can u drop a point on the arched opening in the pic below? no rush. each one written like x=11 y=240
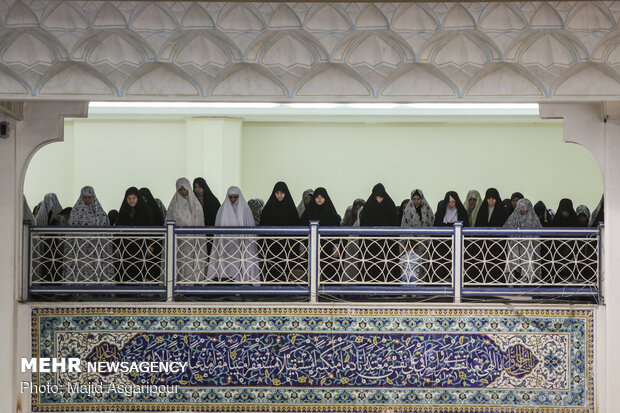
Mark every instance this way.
x=345 y=148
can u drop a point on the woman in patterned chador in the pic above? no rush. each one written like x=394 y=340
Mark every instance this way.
x=185 y=211
x=524 y=254
x=89 y=260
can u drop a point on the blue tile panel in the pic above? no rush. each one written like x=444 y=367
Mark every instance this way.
x=322 y=359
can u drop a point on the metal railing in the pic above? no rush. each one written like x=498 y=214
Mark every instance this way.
x=531 y=262
x=168 y=262
x=81 y=260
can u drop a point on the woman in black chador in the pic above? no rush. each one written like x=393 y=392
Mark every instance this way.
x=136 y=255
x=565 y=216
x=210 y=205
x=208 y=201
x=322 y=209
x=450 y=211
x=543 y=214
x=492 y=212
x=149 y=200
x=155 y=245
x=487 y=258
x=280 y=257
x=514 y=198
x=565 y=251
x=380 y=257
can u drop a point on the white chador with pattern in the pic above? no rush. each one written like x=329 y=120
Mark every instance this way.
x=47 y=251
x=186 y=211
x=89 y=259
x=524 y=255
x=415 y=259
x=234 y=257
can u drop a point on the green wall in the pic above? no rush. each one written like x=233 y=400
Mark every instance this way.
x=348 y=159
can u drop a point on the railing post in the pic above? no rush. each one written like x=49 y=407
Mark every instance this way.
x=457 y=260
x=313 y=260
x=26 y=260
x=171 y=242
x=599 y=241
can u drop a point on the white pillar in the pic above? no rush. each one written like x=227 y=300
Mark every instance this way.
x=214 y=152
x=590 y=125
x=42 y=122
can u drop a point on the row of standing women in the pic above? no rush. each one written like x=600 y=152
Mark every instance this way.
x=238 y=259
x=140 y=208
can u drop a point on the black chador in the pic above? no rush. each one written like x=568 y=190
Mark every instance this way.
x=380 y=256
x=282 y=260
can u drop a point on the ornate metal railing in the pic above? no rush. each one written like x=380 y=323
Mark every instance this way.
x=386 y=261
x=96 y=260
x=237 y=260
x=531 y=262
x=168 y=262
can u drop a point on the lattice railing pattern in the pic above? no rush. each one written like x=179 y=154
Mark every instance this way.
x=97 y=258
x=384 y=260
x=241 y=259
x=533 y=261
x=446 y=261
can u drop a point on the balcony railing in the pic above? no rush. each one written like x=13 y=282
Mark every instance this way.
x=171 y=262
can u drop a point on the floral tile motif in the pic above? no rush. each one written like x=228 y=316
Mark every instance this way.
x=319 y=359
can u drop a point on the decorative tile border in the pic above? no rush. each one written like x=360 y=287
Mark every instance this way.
x=319 y=359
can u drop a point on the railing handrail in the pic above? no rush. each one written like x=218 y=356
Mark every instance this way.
x=306 y=243
x=305 y=230
x=549 y=231
x=431 y=231
x=95 y=230
x=243 y=230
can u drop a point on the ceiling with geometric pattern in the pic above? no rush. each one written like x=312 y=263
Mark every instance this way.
x=296 y=52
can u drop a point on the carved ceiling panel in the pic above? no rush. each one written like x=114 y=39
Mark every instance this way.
x=309 y=51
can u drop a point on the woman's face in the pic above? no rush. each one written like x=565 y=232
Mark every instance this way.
x=233 y=198
x=132 y=200
x=198 y=189
x=280 y=195
x=183 y=192
x=472 y=201
x=491 y=201
x=417 y=201
x=451 y=203
x=319 y=200
x=307 y=199
x=583 y=219
x=523 y=212
x=88 y=199
x=379 y=198
x=514 y=201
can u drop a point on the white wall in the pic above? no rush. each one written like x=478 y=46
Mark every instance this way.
x=348 y=159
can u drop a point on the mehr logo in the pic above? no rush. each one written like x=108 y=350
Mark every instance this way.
x=51 y=365
x=72 y=365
